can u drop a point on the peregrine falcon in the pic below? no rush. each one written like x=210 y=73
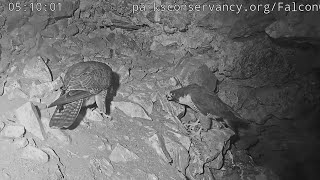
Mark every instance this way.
x=208 y=104
x=83 y=82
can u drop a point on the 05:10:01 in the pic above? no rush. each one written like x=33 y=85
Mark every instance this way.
x=34 y=6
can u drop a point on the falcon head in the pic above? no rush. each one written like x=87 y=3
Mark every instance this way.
x=175 y=95
x=182 y=95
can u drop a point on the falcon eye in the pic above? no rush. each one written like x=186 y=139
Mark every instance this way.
x=170 y=96
x=173 y=95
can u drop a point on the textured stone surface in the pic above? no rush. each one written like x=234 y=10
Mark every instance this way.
x=178 y=153
x=12 y=131
x=41 y=90
x=3 y=80
x=131 y=109
x=264 y=65
x=102 y=166
x=21 y=142
x=253 y=25
x=28 y=116
x=298 y=27
x=36 y=69
x=121 y=154
x=56 y=134
x=34 y=154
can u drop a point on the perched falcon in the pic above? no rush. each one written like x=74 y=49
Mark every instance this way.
x=83 y=82
x=208 y=104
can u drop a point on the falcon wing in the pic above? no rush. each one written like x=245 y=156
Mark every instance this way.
x=65 y=116
x=90 y=77
x=69 y=97
x=208 y=103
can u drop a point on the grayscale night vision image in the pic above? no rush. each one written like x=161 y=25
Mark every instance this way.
x=159 y=90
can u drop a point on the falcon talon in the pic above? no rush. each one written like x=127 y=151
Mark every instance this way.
x=81 y=83
x=105 y=115
x=193 y=124
x=102 y=114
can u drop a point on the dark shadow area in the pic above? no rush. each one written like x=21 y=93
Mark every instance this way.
x=112 y=92
x=301 y=43
x=290 y=147
x=38 y=111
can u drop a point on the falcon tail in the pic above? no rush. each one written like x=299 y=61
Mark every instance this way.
x=69 y=97
x=65 y=115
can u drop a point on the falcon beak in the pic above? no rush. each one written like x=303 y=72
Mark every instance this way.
x=169 y=96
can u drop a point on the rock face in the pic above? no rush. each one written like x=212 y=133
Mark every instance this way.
x=13 y=131
x=131 y=109
x=297 y=27
x=2 y=82
x=28 y=116
x=264 y=64
x=34 y=154
x=121 y=154
x=37 y=69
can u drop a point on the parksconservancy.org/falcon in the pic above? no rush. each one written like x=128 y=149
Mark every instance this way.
x=237 y=8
